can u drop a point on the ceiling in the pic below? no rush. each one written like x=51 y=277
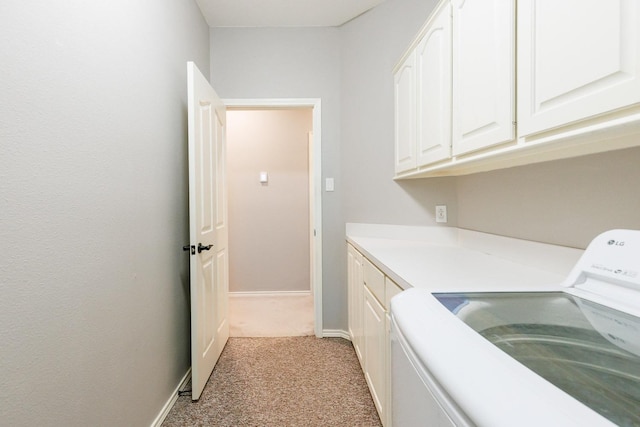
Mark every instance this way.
x=282 y=13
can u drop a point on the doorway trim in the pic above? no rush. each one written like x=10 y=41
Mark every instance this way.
x=315 y=197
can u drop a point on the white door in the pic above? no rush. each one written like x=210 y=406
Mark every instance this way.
x=374 y=349
x=483 y=74
x=405 y=115
x=433 y=80
x=207 y=228
x=576 y=59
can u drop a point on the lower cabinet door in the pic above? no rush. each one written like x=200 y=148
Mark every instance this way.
x=375 y=350
x=355 y=292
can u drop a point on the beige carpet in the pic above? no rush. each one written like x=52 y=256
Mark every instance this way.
x=283 y=382
x=270 y=315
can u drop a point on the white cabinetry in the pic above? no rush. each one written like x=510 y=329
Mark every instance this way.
x=577 y=90
x=374 y=335
x=391 y=289
x=423 y=96
x=374 y=279
x=355 y=294
x=433 y=81
x=375 y=359
x=369 y=294
x=405 y=114
x=483 y=74
x=576 y=59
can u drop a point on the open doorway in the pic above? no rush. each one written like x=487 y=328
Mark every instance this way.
x=273 y=167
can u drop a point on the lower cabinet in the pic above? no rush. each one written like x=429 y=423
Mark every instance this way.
x=355 y=299
x=369 y=294
x=375 y=359
x=390 y=290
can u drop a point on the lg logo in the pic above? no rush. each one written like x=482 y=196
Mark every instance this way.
x=615 y=243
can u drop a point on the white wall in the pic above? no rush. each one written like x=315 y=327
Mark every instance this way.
x=371 y=46
x=268 y=223
x=295 y=63
x=94 y=311
x=564 y=202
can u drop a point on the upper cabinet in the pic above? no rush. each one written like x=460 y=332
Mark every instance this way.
x=577 y=59
x=423 y=96
x=433 y=80
x=571 y=67
x=405 y=114
x=483 y=74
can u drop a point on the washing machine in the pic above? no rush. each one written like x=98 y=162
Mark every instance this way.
x=568 y=356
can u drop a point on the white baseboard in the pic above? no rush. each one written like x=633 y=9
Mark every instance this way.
x=172 y=400
x=270 y=294
x=335 y=333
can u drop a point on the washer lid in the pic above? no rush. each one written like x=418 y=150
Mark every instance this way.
x=588 y=350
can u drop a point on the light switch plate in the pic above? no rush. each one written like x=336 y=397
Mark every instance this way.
x=329 y=184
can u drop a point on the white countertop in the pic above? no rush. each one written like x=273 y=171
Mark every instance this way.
x=450 y=259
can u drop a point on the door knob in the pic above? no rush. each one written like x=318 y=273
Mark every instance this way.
x=190 y=248
x=203 y=248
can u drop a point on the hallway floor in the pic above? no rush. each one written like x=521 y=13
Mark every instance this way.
x=270 y=315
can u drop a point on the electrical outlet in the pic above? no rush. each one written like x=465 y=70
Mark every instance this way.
x=441 y=213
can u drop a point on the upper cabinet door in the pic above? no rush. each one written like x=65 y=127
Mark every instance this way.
x=433 y=80
x=405 y=115
x=577 y=59
x=483 y=74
